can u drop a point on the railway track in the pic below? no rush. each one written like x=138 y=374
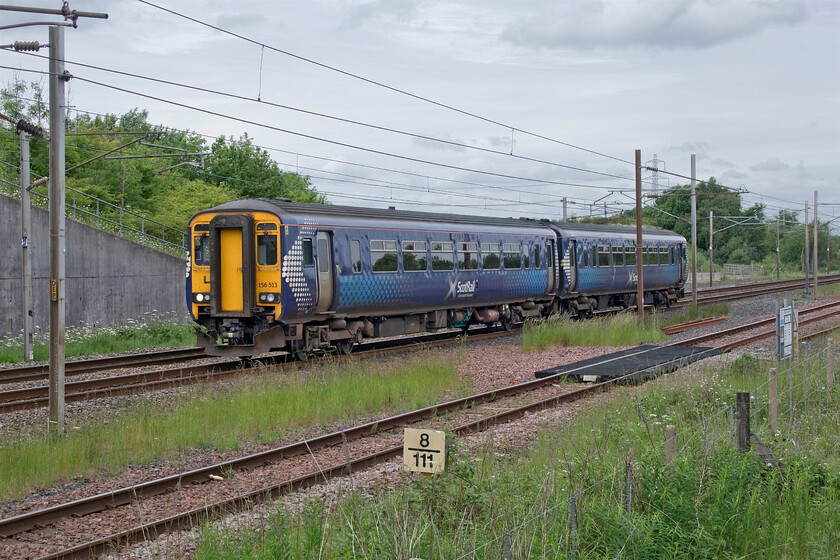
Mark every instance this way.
x=197 y=478
x=40 y=372
x=133 y=383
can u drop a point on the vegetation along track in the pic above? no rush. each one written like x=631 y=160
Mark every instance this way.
x=341 y=463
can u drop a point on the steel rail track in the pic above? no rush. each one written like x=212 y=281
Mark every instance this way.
x=134 y=383
x=21 y=523
x=41 y=371
x=792 y=283
x=688 y=325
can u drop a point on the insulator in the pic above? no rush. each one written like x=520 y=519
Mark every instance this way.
x=30 y=128
x=27 y=46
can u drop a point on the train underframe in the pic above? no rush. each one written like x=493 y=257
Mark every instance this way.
x=249 y=336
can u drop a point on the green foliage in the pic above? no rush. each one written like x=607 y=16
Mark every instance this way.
x=694 y=312
x=166 y=189
x=617 y=330
x=151 y=331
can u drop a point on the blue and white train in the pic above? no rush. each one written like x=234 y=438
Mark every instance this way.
x=267 y=275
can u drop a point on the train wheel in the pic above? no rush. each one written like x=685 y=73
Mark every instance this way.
x=507 y=324
x=302 y=355
x=345 y=347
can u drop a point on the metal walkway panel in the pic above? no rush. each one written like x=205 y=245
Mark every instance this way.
x=644 y=361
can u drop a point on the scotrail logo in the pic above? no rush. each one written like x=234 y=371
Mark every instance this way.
x=461 y=289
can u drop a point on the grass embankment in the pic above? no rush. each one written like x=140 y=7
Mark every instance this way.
x=150 y=332
x=260 y=409
x=616 y=330
x=710 y=502
x=694 y=312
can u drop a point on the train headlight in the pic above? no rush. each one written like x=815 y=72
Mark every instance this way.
x=201 y=297
x=269 y=297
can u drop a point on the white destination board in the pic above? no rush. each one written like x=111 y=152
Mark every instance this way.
x=424 y=450
x=785 y=332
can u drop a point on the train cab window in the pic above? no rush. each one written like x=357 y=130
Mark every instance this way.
x=630 y=255
x=201 y=250
x=356 y=255
x=414 y=256
x=490 y=259
x=442 y=258
x=512 y=255
x=537 y=256
x=603 y=255
x=617 y=255
x=383 y=256
x=526 y=255
x=467 y=256
x=266 y=244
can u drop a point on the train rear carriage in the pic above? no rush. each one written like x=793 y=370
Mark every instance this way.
x=600 y=271
x=272 y=274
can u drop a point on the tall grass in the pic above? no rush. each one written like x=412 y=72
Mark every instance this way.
x=254 y=410
x=694 y=312
x=710 y=502
x=616 y=330
x=150 y=331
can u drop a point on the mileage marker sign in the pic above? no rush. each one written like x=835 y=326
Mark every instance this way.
x=424 y=450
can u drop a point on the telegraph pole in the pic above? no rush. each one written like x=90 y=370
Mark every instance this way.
x=711 y=252
x=778 y=255
x=25 y=228
x=57 y=229
x=640 y=284
x=564 y=208
x=807 y=253
x=693 y=232
x=816 y=242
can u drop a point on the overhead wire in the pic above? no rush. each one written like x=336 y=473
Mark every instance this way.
x=383 y=85
x=340 y=119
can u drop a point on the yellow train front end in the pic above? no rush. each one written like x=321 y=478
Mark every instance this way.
x=233 y=281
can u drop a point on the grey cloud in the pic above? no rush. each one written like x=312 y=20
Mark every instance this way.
x=440 y=145
x=239 y=21
x=691 y=147
x=772 y=164
x=732 y=174
x=722 y=163
x=692 y=24
x=361 y=12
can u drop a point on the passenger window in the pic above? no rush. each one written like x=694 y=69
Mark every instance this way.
x=442 y=258
x=603 y=255
x=356 y=255
x=536 y=256
x=414 y=256
x=526 y=255
x=201 y=250
x=308 y=259
x=267 y=249
x=490 y=256
x=663 y=256
x=512 y=256
x=618 y=255
x=383 y=256
x=467 y=256
x=549 y=255
x=630 y=256
x=584 y=262
x=323 y=256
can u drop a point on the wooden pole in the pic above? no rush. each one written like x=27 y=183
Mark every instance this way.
x=640 y=283
x=742 y=405
x=773 y=401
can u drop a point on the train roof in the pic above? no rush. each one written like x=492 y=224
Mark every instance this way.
x=579 y=227
x=281 y=205
x=286 y=206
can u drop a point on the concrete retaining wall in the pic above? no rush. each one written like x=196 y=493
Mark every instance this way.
x=109 y=279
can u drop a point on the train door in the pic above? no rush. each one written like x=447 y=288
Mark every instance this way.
x=325 y=271
x=550 y=262
x=572 y=270
x=232 y=265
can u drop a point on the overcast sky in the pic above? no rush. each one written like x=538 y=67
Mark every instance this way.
x=752 y=87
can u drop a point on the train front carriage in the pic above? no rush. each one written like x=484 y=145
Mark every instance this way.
x=271 y=274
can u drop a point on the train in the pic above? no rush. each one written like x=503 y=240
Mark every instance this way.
x=268 y=275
